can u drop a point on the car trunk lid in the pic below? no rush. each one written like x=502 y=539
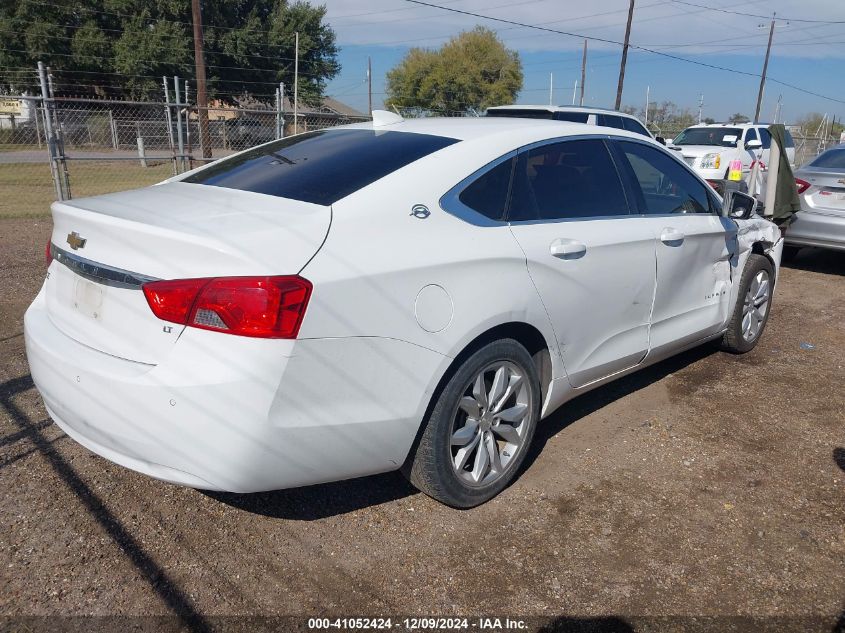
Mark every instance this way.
x=826 y=193
x=105 y=247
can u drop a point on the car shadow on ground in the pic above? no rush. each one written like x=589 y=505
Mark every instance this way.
x=818 y=260
x=322 y=500
x=592 y=401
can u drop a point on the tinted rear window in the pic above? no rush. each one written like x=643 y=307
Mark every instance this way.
x=831 y=158
x=320 y=167
x=528 y=113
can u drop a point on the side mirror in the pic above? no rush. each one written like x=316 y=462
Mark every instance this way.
x=753 y=145
x=660 y=140
x=738 y=205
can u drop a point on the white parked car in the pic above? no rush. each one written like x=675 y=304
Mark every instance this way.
x=399 y=294
x=574 y=114
x=709 y=149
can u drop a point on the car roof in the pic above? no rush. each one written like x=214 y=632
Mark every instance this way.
x=561 y=108
x=741 y=125
x=476 y=128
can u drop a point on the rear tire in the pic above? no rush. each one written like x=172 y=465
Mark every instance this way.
x=480 y=427
x=753 y=306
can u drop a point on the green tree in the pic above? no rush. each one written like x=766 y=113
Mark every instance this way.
x=122 y=48
x=473 y=70
x=738 y=118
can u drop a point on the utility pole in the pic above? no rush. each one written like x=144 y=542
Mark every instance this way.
x=583 y=72
x=700 y=105
x=296 y=87
x=765 y=68
x=624 y=56
x=551 y=88
x=574 y=91
x=199 y=64
x=370 y=82
x=647 y=99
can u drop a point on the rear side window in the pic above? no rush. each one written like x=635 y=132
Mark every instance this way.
x=488 y=194
x=666 y=185
x=571 y=179
x=574 y=117
x=320 y=167
x=610 y=120
x=528 y=113
x=635 y=126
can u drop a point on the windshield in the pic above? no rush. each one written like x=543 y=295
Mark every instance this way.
x=320 y=167
x=832 y=158
x=708 y=136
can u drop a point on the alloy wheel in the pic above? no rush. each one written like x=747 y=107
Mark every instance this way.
x=755 y=306
x=490 y=423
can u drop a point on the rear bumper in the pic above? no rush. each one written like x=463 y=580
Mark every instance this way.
x=229 y=413
x=817 y=229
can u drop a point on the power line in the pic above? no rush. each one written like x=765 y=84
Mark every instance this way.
x=756 y=15
x=609 y=41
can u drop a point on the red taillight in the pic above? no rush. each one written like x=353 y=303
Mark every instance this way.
x=802 y=185
x=48 y=253
x=265 y=307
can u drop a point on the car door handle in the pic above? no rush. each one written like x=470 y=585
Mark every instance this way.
x=568 y=249
x=672 y=237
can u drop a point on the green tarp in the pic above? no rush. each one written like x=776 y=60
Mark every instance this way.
x=786 y=195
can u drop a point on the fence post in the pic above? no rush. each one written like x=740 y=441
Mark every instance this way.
x=113 y=128
x=48 y=126
x=169 y=120
x=179 y=136
x=37 y=125
x=188 y=128
x=282 y=106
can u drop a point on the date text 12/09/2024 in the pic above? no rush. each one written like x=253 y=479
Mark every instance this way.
x=492 y=624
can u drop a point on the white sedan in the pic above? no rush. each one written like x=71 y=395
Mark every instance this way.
x=398 y=294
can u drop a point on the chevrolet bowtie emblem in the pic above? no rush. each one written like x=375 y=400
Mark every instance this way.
x=75 y=241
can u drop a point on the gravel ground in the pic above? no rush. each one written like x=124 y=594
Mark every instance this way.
x=709 y=485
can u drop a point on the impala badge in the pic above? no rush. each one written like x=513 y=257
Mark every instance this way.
x=75 y=241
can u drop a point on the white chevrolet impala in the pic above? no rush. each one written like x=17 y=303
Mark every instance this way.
x=411 y=295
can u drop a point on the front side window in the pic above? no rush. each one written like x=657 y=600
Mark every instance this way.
x=666 y=185
x=320 y=167
x=570 y=179
x=750 y=135
x=488 y=194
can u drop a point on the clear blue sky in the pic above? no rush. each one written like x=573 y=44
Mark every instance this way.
x=810 y=55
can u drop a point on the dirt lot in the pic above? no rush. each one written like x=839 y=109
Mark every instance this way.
x=710 y=485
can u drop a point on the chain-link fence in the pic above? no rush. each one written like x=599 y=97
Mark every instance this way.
x=62 y=148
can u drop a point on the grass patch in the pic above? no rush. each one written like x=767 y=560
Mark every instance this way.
x=27 y=190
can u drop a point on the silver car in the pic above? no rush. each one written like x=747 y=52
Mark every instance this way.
x=821 y=188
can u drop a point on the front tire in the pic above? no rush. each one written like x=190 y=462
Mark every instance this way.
x=751 y=312
x=480 y=427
